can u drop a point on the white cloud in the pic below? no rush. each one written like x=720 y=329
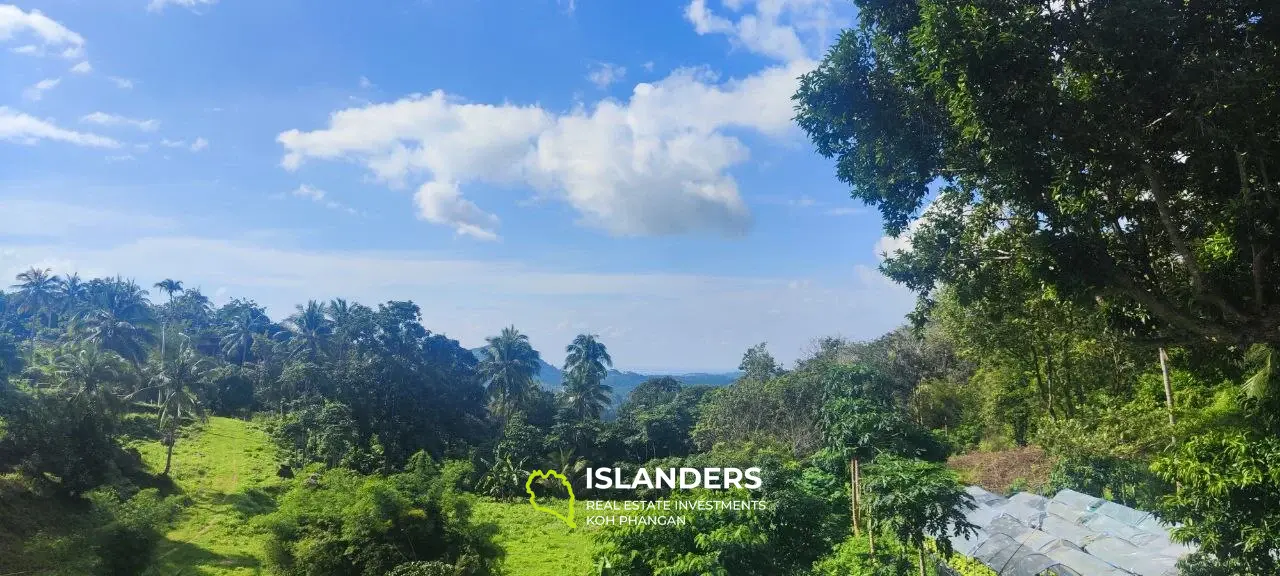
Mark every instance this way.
x=104 y=119
x=318 y=196
x=785 y=30
x=14 y=22
x=306 y=191
x=158 y=5
x=655 y=164
x=82 y=68
x=121 y=83
x=23 y=128
x=648 y=66
x=36 y=91
x=719 y=316
x=440 y=202
x=195 y=146
x=365 y=84
x=603 y=74
x=28 y=49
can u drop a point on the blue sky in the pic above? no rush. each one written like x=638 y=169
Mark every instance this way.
x=622 y=168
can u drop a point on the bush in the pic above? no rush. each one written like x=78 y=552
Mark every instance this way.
x=806 y=516
x=129 y=530
x=423 y=569
x=344 y=524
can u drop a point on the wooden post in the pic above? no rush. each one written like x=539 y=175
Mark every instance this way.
x=1168 y=401
x=1168 y=390
x=871 y=534
x=854 y=494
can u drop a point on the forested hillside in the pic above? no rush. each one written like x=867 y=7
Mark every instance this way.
x=621 y=383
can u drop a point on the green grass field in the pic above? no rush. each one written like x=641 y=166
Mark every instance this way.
x=226 y=469
x=537 y=544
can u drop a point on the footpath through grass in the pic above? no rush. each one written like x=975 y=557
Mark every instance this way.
x=226 y=469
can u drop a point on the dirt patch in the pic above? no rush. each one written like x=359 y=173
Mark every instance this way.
x=1024 y=469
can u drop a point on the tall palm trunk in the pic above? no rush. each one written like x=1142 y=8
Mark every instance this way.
x=170 y=440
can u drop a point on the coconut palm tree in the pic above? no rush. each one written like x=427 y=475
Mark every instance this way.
x=74 y=293
x=177 y=381
x=37 y=293
x=586 y=365
x=238 y=339
x=508 y=368
x=344 y=319
x=310 y=330
x=117 y=318
x=90 y=374
x=169 y=287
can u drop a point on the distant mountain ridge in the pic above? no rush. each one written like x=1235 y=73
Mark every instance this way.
x=623 y=383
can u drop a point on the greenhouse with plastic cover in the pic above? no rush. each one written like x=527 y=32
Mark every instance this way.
x=1070 y=534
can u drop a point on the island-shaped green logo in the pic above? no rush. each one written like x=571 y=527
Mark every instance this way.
x=533 y=499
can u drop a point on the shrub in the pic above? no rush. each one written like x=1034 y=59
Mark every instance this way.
x=129 y=530
x=343 y=524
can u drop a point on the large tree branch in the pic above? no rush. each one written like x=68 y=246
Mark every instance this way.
x=1125 y=286
x=1161 y=197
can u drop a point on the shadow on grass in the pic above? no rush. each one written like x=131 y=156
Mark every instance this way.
x=187 y=559
x=251 y=502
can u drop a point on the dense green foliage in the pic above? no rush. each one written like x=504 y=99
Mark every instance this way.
x=341 y=523
x=1091 y=220
x=1078 y=202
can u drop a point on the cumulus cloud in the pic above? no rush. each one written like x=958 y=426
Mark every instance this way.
x=82 y=68
x=785 y=30
x=655 y=164
x=158 y=5
x=199 y=144
x=440 y=202
x=23 y=128
x=603 y=74
x=36 y=91
x=121 y=83
x=15 y=22
x=104 y=119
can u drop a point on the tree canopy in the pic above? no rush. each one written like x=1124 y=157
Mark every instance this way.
x=1116 y=151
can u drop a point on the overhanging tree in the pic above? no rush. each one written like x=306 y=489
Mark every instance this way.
x=1119 y=150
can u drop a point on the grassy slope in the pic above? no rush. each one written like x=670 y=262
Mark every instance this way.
x=226 y=469
x=538 y=544
x=40 y=535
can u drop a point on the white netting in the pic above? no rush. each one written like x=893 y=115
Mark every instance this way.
x=1071 y=534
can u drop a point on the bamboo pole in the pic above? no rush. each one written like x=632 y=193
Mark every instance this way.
x=854 y=494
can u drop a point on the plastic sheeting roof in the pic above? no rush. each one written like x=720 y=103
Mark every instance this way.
x=1071 y=534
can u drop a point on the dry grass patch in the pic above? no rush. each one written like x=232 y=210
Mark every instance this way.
x=1023 y=469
